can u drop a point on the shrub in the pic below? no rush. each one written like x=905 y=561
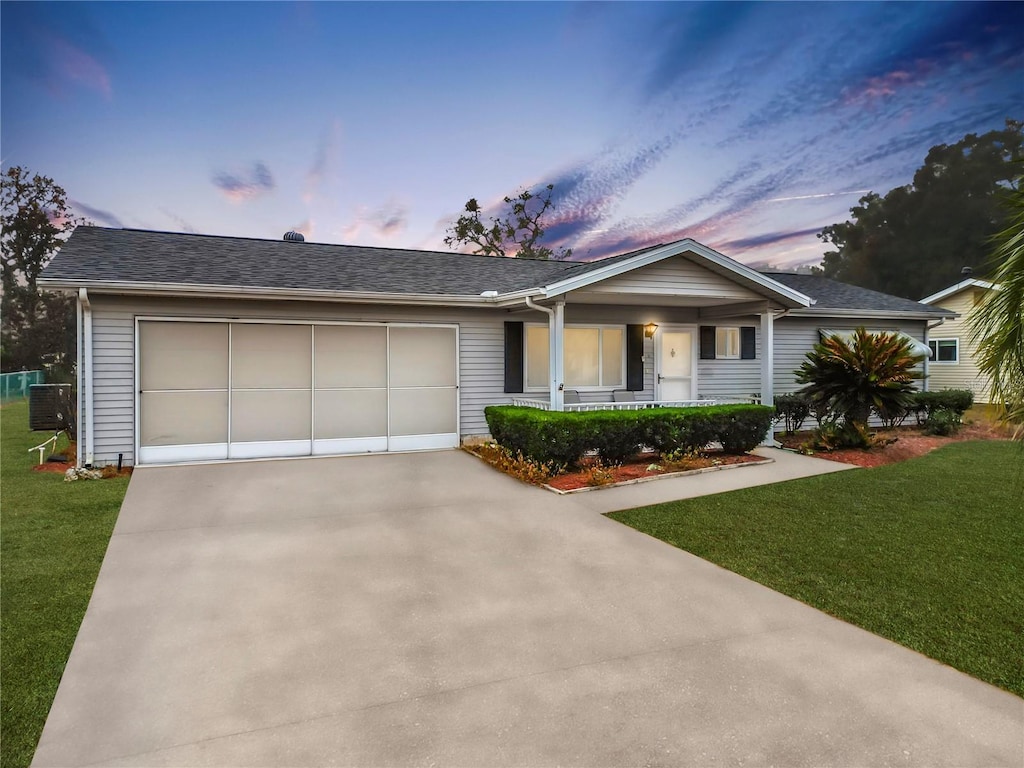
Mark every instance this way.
x=596 y=472
x=871 y=372
x=942 y=422
x=562 y=438
x=793 y=409
x=926 y=404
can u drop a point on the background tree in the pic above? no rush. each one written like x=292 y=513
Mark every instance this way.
x=38 y=326
x=998 y=322
x=916 y=239
x=516 y=232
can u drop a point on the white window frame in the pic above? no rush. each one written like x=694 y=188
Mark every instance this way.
x=935 y=359
x=602 y=387
x=719 y=344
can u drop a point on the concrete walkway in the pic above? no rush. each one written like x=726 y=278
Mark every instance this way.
x=423 y=609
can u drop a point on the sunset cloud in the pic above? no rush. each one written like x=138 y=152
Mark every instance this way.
x=238 y=186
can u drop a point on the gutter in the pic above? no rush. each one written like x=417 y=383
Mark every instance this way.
x=85 y=373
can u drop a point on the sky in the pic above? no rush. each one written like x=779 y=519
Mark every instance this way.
x=746 y=126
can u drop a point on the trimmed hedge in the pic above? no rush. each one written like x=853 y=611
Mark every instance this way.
x=564 y=437
x=957 y=401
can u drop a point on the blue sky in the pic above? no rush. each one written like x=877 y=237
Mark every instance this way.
x=746 y=126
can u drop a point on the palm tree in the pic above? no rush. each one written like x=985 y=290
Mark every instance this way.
x=871 y=372
x=997 y=323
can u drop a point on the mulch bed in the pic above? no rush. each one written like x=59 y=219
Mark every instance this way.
x=908 y=442
x=642 y=466
x=61 y=467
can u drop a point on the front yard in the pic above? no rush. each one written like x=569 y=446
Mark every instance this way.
x=928 y=553
x=54 y=538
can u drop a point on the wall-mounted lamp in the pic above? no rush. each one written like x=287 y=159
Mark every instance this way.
x=649 y=330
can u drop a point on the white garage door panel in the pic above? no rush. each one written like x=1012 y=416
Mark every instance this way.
x=351 y=356
x=183 y=356
x=239 y=390
x=266 y=356
x=422 y=357
x=422 y=411
x=349 y=413
x=181 y=418
x=269 y=414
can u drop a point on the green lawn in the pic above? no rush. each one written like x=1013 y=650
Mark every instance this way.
x=929 y=552
x=52 y=539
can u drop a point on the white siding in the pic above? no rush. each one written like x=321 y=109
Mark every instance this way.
x=964 y=373
x=675 y=276
x=796 y=336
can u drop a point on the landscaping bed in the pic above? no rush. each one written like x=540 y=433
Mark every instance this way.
x=894 y=445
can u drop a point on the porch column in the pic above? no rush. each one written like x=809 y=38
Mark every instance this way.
x=767 y=358
x=556 y=350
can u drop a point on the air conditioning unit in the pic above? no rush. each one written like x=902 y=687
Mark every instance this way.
x=44 y=406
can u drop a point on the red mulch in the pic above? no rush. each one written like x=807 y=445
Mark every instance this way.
x=62 y=467
x=637 y=467
x=908 y=443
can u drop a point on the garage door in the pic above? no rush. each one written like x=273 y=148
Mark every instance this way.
x=219 y=390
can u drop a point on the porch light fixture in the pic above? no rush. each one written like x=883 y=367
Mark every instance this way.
x=649 y=330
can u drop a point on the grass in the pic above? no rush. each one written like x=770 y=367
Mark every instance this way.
x=928 y=553
x=54 y=535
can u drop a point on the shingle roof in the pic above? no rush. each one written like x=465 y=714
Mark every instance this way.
x=140 y=256
x=831 y=294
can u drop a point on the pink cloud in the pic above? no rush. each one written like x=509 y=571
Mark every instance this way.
x=71 y=63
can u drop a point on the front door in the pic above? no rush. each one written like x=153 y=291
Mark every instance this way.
x=675 y=365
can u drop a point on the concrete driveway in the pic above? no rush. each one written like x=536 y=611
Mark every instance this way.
x=422 y=609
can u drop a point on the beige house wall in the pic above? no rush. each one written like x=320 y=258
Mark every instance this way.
x=963 y=374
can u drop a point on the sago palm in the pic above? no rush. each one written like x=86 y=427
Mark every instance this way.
x=870 y=372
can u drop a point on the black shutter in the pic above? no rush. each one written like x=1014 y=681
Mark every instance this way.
x=513 y=357
x=635 y=358
x=748 y=343
x=707 y=342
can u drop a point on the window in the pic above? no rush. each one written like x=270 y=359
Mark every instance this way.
x=945 y=350
x=727 y=343
x=594 y=357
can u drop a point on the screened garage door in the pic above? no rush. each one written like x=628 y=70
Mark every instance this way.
x=219 y=390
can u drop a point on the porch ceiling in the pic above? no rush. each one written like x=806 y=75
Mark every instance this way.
x=661 y=300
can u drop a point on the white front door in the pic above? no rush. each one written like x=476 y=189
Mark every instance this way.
x=675 y=365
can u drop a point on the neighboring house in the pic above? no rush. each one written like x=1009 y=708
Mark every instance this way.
x=198 y=348
x=953 y=360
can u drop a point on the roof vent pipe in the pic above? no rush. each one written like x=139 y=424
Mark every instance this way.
x=294 y=237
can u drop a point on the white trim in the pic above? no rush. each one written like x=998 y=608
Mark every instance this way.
x=423 y=442
x=873 y=314
x=968 y=283
x=600 y=356
x=702 y=252
x=79 y=333
x=167 y=454
x=694 y=360
x=935 y=360
x=270 y=449
x=339 y=446
x=90 y=431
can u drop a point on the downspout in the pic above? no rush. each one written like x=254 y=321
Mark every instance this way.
x=927 y=360
x=79 y=380
x=86 y=374
x=555 y=365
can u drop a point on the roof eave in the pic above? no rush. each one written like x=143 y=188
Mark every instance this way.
x=780 y=291
x=954 y=289
x=872 y=313
x=183 y=290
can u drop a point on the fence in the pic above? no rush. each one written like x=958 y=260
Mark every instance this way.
x=14 y=386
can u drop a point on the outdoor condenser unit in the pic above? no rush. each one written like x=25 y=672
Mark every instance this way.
x=44 y=406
